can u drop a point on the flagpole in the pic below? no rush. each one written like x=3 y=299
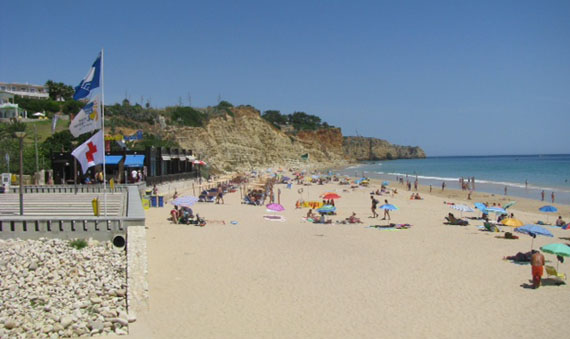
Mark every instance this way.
x=103 y=129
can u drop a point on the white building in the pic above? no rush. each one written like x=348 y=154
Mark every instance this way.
x=25 y=90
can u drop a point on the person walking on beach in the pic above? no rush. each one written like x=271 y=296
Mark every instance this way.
x=537 y=263
x=552 y=197
x=443 y=186
x=542 y=195
x=430 y=188
x=386 y=212
x=374 y=204
x=505 y=190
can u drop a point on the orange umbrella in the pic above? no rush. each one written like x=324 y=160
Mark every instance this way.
x=330 y=195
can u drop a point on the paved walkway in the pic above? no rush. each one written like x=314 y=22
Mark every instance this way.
x=56 y=204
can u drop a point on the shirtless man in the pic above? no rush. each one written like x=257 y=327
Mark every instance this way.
x=537 y=262
x=374 y=204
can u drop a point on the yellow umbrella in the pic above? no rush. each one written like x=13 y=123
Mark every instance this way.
x=512 y=222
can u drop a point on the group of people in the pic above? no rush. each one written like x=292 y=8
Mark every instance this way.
x=416 y=196
x=375 y=206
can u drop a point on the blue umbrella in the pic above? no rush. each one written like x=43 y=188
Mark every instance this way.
x=480 y=206
x=185 y=201
x=327 y=209
x=386 y=183
x=533 y=231
x=548 y=209
x=496 y=210
x=388 y=207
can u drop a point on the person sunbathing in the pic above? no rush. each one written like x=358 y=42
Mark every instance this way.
x=451 y=220
x=417 y=197
x=353 y=219
x=560 y=222
x=175 y=215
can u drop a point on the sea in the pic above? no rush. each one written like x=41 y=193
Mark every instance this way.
x=523 y=175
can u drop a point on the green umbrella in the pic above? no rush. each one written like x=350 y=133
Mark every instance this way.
x=509 y=204
x=557 y=249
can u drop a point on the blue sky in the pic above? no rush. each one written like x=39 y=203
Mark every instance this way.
x=454 y=77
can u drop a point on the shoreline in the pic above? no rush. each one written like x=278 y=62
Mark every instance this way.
x=515 y=190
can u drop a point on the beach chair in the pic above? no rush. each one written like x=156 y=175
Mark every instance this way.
x=490 y=227
x=551 y=272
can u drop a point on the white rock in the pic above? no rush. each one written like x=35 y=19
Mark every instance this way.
x=10 y=324
x=66 y=321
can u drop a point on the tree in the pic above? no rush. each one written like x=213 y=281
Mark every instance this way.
x=275 y=117
x=59 y=91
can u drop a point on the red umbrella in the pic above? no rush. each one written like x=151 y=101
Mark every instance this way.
x=199 y=162
x=329 y=196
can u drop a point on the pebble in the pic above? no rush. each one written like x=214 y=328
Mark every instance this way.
x=56 y=290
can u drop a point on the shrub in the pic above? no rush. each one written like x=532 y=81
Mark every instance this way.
x=78 y=243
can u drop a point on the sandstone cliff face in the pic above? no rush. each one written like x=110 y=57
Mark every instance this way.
x=363 y=148
x=247 y=141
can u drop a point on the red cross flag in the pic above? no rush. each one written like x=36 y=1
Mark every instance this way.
x=91 y=152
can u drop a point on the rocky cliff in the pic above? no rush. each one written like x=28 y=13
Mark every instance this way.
x=363 y=148
x=245 y=140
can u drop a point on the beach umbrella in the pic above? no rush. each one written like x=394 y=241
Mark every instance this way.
x=327 y=209
x=512 y=222
x=509 y=204
x=385 y=183
x=199 y=162
x=38 y=114
x=388 y=207
x=548 y=209
x=559 y=249
x=533 y=231
x=462 y=208
x=480 y=206
x=185 y=201
x=330 y=195
x=275 y=207
x=498 y=210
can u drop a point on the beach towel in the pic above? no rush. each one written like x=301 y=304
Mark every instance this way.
x=274 y=218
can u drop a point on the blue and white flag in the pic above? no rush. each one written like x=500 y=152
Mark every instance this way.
x=88 y=119
x=90 y=82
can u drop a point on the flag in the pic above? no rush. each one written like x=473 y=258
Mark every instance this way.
x=54 y=123
x=90 y=82
x=91 y=152
x=88 y=119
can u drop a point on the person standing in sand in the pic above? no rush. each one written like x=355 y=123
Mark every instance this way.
x=537 y=264
x=542 y=196
x=386 y=212
x=552 y=197
x=374 y=204
x=443 y=186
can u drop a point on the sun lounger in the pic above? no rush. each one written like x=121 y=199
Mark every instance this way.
x=551 y=272
x=490 y=227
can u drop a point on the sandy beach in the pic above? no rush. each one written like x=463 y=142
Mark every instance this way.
x=294 y=279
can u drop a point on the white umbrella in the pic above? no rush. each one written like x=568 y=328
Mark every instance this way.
x=38 y=114
x=462 y=208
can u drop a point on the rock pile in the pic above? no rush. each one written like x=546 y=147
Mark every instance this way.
x=51 y=289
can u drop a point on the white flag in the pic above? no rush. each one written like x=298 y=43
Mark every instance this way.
x=88 y=119
x=91 y=152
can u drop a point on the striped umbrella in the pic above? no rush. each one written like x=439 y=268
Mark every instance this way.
x=462 y=208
